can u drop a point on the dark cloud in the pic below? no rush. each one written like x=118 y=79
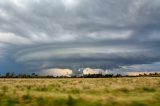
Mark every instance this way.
x=42 y=34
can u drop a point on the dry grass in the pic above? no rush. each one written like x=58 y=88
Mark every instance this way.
x=80 y=92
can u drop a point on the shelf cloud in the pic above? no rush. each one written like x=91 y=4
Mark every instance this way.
x=102 y=34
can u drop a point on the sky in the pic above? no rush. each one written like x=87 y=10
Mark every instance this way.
x=115 y=35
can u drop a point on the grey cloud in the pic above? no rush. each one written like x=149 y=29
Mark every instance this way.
x=42 y=34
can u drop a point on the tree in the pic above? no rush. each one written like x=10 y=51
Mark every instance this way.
x=7 y=75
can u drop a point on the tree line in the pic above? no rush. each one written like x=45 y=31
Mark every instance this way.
x=34 y=75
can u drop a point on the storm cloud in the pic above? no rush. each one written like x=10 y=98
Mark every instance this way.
x=108 y=34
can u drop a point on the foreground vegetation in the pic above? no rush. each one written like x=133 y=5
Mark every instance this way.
x=137 y=91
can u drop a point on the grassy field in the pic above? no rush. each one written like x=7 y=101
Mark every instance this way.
x=80 y=92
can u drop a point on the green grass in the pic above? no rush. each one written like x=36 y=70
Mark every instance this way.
x=80 y=92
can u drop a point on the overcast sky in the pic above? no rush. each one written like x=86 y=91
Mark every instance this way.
x=120 y=35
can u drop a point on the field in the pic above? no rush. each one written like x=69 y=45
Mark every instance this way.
x=140 y=91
